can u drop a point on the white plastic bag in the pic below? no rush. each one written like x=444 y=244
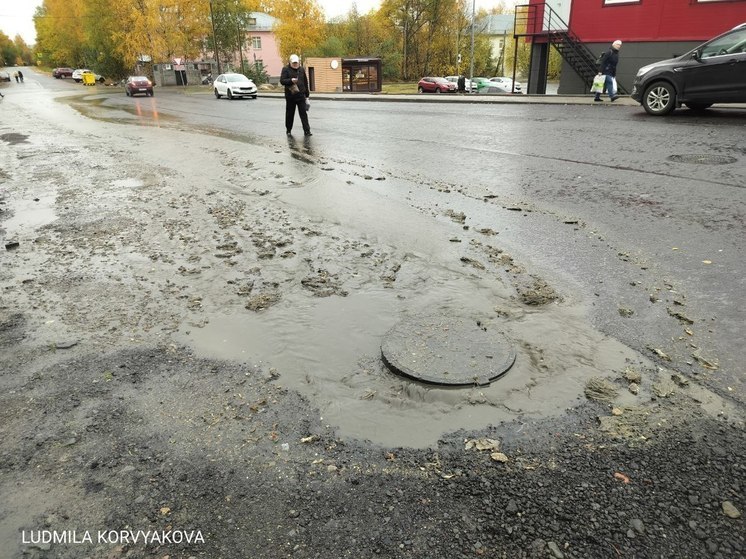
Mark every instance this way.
x=598 y=84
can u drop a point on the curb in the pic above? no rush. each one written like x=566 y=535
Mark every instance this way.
x=496 y=98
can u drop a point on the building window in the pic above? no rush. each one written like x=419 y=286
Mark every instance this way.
x=256 y=43
x=252 y=21
x=610 y=2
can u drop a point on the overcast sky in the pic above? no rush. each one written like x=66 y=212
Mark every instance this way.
x=16 y=16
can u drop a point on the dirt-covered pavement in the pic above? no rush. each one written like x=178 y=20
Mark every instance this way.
x=189 y=333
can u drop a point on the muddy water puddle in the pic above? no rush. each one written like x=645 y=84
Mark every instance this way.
x=29 y=214
x=329 y=350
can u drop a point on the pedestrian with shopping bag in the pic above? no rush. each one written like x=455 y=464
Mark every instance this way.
x=607 y=70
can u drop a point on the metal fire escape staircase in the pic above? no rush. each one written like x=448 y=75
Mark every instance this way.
x=541 y=22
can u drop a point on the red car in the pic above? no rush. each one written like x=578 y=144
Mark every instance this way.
x=436 y=85
x=136 y=85
x=62 y=73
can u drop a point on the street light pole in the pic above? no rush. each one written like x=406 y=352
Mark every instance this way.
x=214 y=40
x=471 y=69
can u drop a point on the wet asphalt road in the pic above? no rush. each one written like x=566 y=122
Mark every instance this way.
x=642 y=216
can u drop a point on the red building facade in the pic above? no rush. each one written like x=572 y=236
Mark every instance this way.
x=650 y=30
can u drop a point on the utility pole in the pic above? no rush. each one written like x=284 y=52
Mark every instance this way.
x=471 y=69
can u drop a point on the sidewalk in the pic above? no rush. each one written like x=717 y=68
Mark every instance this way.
x=466 y=98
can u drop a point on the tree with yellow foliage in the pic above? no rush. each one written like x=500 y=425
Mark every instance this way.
x=60 y=32
x=301 y=25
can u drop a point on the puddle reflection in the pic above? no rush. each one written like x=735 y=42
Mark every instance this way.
x=152 y=114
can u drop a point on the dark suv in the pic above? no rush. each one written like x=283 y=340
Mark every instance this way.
x=714 y=72
x=62 y=73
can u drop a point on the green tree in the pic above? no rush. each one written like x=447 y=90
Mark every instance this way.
x=7 y=50
x=366 y=35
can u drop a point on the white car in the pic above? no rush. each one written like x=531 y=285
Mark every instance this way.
x=467 y=86
x=507 y=84
x=78 y=75
x=234 y=85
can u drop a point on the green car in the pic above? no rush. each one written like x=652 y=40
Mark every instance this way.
x=480 y=83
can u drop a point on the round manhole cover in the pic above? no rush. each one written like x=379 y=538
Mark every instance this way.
x=446 y=350
x=703 y=159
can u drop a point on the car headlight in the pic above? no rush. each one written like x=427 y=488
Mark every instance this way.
x=644 y=70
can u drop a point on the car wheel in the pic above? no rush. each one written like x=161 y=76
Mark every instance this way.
x=150 y=93
x=437 y=90
x=659 y=99
x=101 y=80
x=253 y=96
x=230 y=95
x=698 y=106
x=420 y=90
x=217 y=95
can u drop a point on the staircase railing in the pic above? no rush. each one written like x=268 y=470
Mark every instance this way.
x=541 y=21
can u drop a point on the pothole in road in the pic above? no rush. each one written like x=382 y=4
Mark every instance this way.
x=702 y=159
x=14 y=138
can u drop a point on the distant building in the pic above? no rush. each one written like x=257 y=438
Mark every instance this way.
x=499 y=29
x=261 y=45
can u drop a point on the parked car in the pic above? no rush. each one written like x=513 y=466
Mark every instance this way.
x=714 y=72
x=494 y=89
x=435 y=85
x=77 y=75
x=507 y=84
x=480 y=82
x=4 y=77
x=62 y=73
x=467 y=86
x=234 y=85
x=138 y=85
x=484 y=85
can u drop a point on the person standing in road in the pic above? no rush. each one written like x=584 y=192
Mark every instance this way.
x=294 y=78
x=607 y=67
x=20 y=76
x=461 y=83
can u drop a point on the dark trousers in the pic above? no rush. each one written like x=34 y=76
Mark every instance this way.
x=290 y=104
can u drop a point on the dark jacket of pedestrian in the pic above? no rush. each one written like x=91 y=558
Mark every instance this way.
x=609 y=61
x=461 y=83
x=295 y=80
